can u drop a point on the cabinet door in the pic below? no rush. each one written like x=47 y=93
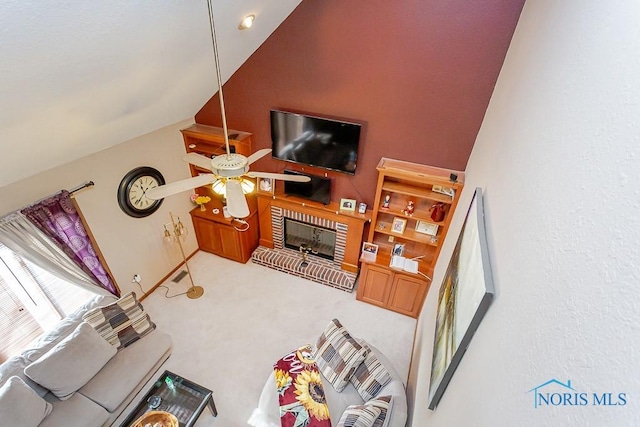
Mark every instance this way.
x=407 y=294
x=208 y=235
x=375 y=285
x=230 y=242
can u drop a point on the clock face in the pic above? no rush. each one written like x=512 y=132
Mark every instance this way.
x=133 y=188
x=138 y=190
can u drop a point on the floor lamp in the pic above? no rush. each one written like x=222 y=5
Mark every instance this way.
x=176 y=233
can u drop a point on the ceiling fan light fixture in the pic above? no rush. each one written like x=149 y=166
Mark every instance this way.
x=219 y=186
x=247 y=185
x=246 y=22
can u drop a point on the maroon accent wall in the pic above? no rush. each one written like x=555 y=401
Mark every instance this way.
x=418 y=73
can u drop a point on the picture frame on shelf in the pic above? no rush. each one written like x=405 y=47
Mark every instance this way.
x=369 y=252
x=447 y=191
x=362 y=207
x=347 y=205
x=425 y=227
x=266 y=185
x=370 y=248
x=398 y=225
x=398 y=249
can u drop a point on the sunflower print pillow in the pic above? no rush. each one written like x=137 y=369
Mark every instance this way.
x=300 y=391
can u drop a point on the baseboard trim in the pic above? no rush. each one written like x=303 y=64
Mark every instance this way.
x=165 y=278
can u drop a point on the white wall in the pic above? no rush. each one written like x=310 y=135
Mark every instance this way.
x=130 y=245
x=558 y=158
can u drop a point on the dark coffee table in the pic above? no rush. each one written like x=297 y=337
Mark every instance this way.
x=178 y=396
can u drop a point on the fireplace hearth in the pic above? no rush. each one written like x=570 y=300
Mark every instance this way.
x=307 y=246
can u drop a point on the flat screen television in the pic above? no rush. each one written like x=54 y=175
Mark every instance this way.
x=315 y=141
x=317 y=190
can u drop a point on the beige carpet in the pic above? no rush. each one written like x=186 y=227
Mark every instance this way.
x=250 y=316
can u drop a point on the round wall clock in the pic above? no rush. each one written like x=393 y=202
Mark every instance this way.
x=132 y=189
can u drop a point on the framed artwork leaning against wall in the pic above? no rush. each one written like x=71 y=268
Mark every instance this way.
x=465 y=295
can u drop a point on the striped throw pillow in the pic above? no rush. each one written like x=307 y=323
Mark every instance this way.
x=338 y=355
x=370 y=376
x=359 y=416
x=122 y=322
x=384 y=403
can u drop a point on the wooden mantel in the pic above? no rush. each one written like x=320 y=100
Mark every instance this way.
x=355 y=222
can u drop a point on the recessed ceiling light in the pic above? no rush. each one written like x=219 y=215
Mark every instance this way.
x=246 y=22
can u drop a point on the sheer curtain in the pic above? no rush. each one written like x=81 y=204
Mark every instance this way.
x=23 y=237
x=58 y=218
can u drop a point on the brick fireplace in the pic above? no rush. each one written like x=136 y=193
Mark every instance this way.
x=313 y=267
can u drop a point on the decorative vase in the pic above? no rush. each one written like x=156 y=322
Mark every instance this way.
x=203 y=207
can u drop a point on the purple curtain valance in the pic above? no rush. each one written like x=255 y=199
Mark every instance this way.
x=58 y=218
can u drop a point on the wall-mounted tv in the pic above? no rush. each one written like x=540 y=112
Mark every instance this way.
x=315 y=141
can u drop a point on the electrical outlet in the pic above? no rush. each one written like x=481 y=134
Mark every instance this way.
x=391 y=239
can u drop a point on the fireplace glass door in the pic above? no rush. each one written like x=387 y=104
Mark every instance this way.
x=319 y=240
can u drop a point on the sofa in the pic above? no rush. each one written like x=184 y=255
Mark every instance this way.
x=351 y=396
x=82 y=373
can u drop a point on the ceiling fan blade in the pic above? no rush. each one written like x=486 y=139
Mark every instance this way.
x=236 y=202
x=258 y=155
x=280 y=176
x=198 y=160
x=179 y=186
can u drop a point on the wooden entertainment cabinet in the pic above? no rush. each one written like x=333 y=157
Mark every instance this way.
x=393 y=288
x=215 y=233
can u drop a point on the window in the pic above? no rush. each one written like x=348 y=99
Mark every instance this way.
x=32 y=301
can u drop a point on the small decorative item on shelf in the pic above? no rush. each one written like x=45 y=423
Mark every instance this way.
x=443 y=190
x=437 y=212
x=425 y=227
x=369 y=252
x=398 y=225
x=398 y=249
x=200 y=200
x=362 y=208
x=347 y=205
x=408 y=210
x=386 y=201
x=265 y=185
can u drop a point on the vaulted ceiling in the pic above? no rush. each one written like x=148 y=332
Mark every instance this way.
x=77 y=77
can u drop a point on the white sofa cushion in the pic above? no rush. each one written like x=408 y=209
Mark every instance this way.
x=20 y=405
x=63 y=328
x=72 y=362
x=15 y=367
x=77 y=411
x=123 y=373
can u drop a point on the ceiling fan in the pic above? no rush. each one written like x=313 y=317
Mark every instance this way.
x=229 y=171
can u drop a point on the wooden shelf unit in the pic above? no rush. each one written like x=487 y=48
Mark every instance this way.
x=214 y=232
x=391 y=288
